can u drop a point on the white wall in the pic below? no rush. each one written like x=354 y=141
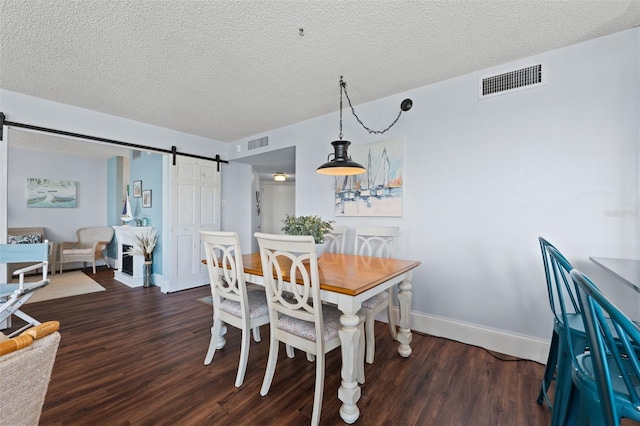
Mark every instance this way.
x=237 y=206
x=60 y=223
x=483 y=179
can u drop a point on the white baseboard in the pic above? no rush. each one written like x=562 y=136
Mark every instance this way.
x=513 y=344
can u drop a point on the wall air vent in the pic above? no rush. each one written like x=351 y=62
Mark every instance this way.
x=258 y=143
x=524 y=78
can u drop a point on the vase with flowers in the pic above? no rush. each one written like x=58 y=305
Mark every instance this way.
x=144 y=246
x=308 y=225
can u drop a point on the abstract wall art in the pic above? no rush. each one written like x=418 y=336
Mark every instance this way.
x=378 y=191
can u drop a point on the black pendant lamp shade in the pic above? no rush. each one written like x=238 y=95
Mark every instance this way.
x=341 y=164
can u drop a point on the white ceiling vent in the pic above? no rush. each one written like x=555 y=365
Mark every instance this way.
x=258 y=143
x=524 y=78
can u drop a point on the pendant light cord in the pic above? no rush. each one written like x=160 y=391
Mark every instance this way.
x=342 y=87
x=404 y=106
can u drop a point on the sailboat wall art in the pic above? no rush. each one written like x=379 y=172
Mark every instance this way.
x=378 y=191
x=47 y=193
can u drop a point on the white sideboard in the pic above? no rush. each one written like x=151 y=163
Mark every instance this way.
x=126 y=235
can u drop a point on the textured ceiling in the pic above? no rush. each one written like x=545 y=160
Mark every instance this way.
x=227 y=70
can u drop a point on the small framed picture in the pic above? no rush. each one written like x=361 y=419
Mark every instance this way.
x=146 y=198
x=137 y=188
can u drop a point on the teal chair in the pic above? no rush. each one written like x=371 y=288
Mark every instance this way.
x=14 y=295
x=607 y=378
x=569 y=335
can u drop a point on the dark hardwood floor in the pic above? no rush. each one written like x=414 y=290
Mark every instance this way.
x=135 y=357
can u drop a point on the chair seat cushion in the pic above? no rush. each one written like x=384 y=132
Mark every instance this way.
x=78 y=251
x=257 y=304
x=307 y=329
x=24 y=239
x=376 y=300
x=8 y=289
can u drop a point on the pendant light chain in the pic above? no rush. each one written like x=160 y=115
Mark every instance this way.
x=343 y=86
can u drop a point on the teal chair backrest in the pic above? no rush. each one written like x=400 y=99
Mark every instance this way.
x=15 y=253
x=564 y=296
x=611 y=334
x=560 y=287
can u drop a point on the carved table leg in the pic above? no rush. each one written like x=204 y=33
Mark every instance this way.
x=404 y=332
x=349 y=391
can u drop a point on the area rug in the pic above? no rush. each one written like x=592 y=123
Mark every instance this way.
x=206 y=300
x=64 y=285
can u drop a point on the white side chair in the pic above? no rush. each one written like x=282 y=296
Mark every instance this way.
x=233 y=304
x=377 y=241
x=298 y=318
x=335 y=240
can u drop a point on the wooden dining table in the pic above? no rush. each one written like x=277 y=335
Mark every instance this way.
x=346 y=281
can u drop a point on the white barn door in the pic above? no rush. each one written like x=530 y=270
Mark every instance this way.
x=195 y=204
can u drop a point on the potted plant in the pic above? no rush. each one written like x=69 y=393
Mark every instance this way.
x=308 y=225
x=145 y=244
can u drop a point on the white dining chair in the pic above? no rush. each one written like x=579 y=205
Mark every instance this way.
x=376 y=241
x=298 y=318
x=334 y=241
x=233 y=303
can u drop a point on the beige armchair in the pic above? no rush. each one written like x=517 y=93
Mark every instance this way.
x=26 y=362
x=89 y=247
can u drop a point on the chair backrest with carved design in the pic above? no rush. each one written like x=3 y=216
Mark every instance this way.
x=335 y=239
x=226 y=271
x=285 y=259
x=376 y=241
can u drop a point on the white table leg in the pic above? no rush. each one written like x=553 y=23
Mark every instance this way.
x=404 y=333
x=349 y=391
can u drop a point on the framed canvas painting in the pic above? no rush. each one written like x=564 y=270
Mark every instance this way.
x=146 y=198
x=137 y=188
x=378 y=191
x=51 y=193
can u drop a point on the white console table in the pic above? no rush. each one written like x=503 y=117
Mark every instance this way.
x=126 y=235
x=626 y=269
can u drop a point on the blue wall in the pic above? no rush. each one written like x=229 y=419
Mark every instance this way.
x=147 y=167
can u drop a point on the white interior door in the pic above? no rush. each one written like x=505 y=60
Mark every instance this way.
x=195 y=205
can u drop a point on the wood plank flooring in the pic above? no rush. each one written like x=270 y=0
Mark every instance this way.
x=135 y=357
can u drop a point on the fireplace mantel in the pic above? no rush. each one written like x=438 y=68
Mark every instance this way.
x=126 y=235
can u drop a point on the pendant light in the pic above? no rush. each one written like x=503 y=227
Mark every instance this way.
x=341 y=164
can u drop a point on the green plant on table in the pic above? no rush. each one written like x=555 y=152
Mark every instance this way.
x=307 y=225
